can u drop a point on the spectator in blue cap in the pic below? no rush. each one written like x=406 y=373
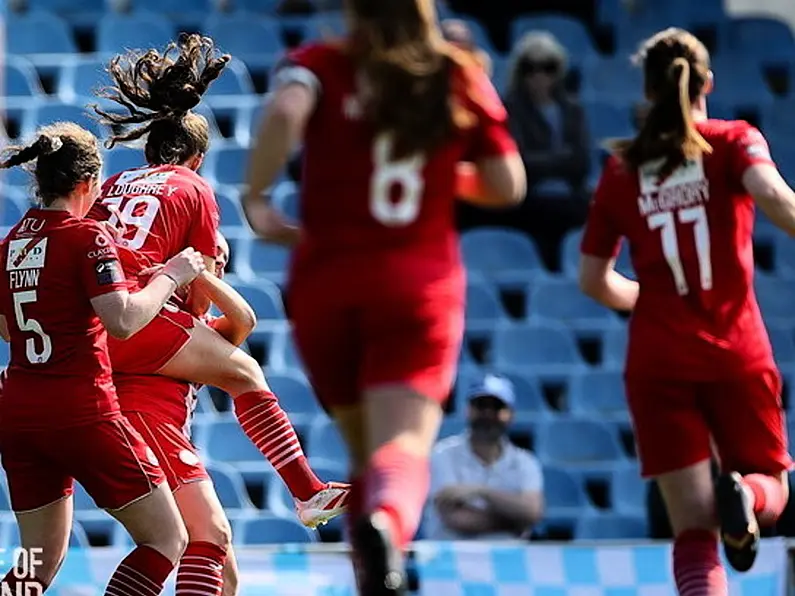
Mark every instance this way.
x=483 y=486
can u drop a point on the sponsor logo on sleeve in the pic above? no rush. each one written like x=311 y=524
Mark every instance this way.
x=108 y=273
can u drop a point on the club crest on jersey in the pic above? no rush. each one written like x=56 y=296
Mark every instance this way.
x=26 y=253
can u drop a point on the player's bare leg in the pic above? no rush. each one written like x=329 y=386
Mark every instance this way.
x=690 y=500
x=231 y=575
x=156 y=527
x=744 y=504
x=401 y=429
x=202 y=569
x=46 y=529
x=209 y=359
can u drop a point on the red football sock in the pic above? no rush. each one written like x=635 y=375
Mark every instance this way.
x=697 y=567
x=268 y=427
x=201 y=570
x=143 y=572
x=769 y=497
x=397 y=483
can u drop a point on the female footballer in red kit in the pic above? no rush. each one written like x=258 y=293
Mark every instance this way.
x=376 y=295
x=699 y=363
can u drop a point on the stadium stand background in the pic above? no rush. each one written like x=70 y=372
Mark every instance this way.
x=563 y=351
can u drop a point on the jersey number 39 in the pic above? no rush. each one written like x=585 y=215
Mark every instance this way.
x=666 y=221
x=403 y=178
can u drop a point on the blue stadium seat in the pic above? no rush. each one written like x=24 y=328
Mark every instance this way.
x=139 y=30
x=82 y=500
x=326 y=25
x=264 y=6
x=251 y=38
x=614 y=348
x=265 y=298
x=783 y=342
x=122 y=158
x=325 y=442
x=69 y=9
x=501 y=74
x=271 y=530
x=611 y=527
x=231 y=212
x=287 y=197
x=5 y=354
x=180 y=12
x=583 y=443
x=784 y=254
x=284 y=356
x=628 y=491
x=783 y=151
x=204 y=404
x=504 y=256
x=545 y=348
x=38 y=33
x=12 y=209
x=226 y=442
x=451 y=426
x=740 y=81
x=235 y=81
x=630 y=33
x=483 y=306
x=608 y=120
x=768 y=40
x=564 y=493
x=229 y=486
x=81 y=78
x=598 y=393
x=50 y=112
x=228 y=165
x=265 y=260
x=21 y=81
x=5 y=500
x=295 y=395
x=569 y=31
x=613 y=79
x=562 y=300
x=776 y=297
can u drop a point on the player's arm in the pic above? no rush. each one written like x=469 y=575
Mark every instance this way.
x=492 y=182
x=772 y=194
x=282 y=129
x=600 y=281
x=239 y=319
x=601 y=243
x=198 y=302
x=124 y=314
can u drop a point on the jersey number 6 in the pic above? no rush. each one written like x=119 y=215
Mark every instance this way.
x=670 y=244
x=405 y=175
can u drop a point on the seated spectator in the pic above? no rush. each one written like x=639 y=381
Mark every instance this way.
x=482 y=486
x=552 y=134
x=458 y=33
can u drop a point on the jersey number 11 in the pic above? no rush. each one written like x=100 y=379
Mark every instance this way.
x=666 y=221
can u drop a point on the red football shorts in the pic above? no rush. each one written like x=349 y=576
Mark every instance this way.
x=404 y=340
x=155 y=345
x=109 y=458
x=674 y=422
x=176 y=454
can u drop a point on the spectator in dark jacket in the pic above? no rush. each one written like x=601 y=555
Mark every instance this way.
x=552 y=134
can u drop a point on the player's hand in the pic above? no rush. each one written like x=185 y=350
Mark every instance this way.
x=112 y=231
x=270 y=225
x=184 y=267
x=455 y=496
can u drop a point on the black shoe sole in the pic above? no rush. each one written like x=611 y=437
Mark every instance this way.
x=739 y=528
x=383 y=572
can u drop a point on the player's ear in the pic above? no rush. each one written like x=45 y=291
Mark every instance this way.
x=710 y=84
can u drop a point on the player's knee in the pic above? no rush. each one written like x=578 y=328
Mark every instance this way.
x=246 y=375
x=214 y=529
x=172 y=543
x=49 y=565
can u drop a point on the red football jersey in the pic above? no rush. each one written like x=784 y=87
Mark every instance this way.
x=364 y=213
x=697 y=317
x=164 y=210
x=59 y=373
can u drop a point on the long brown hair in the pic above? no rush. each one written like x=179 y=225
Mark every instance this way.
x=160 y=90
x=676 y=70
x=409 y=73
x=65 y=155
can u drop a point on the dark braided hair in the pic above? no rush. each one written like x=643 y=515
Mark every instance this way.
x=65 y=155
x=675 y=71
x=159 y=90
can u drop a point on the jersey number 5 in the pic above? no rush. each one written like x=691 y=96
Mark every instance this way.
x=405 y=176
x=31 y=326
x=670 y=244
x=139 y=212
